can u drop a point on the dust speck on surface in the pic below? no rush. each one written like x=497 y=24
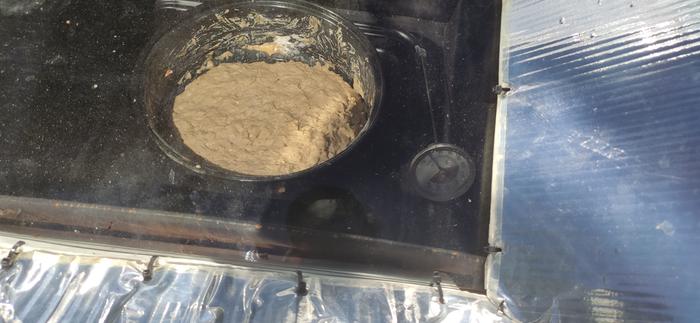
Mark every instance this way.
x=666 y=227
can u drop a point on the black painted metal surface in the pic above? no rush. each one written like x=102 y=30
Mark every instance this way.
x=70 y=129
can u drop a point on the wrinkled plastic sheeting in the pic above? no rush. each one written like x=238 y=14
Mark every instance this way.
x=48 y=287
x=597 y=172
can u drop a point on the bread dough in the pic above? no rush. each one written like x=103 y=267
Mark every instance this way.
x=268 y=119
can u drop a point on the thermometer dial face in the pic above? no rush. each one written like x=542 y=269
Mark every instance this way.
x=442 y=172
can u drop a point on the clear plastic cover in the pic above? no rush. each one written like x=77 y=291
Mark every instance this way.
x=73 y=286
x=595 y=199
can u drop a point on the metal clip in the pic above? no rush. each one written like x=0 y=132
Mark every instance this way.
x=148 y=273
x=492 y=249
x=501 y=89
x=301 y=289
x=437 y=283
x=9 y=261
x=501 y=310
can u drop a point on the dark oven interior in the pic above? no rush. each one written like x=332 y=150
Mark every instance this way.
x=71 y=129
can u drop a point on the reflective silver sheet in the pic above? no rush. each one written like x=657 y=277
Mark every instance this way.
x=73 y=287
x=597 y=193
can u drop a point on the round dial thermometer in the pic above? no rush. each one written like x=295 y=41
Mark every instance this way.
x=442 y=172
